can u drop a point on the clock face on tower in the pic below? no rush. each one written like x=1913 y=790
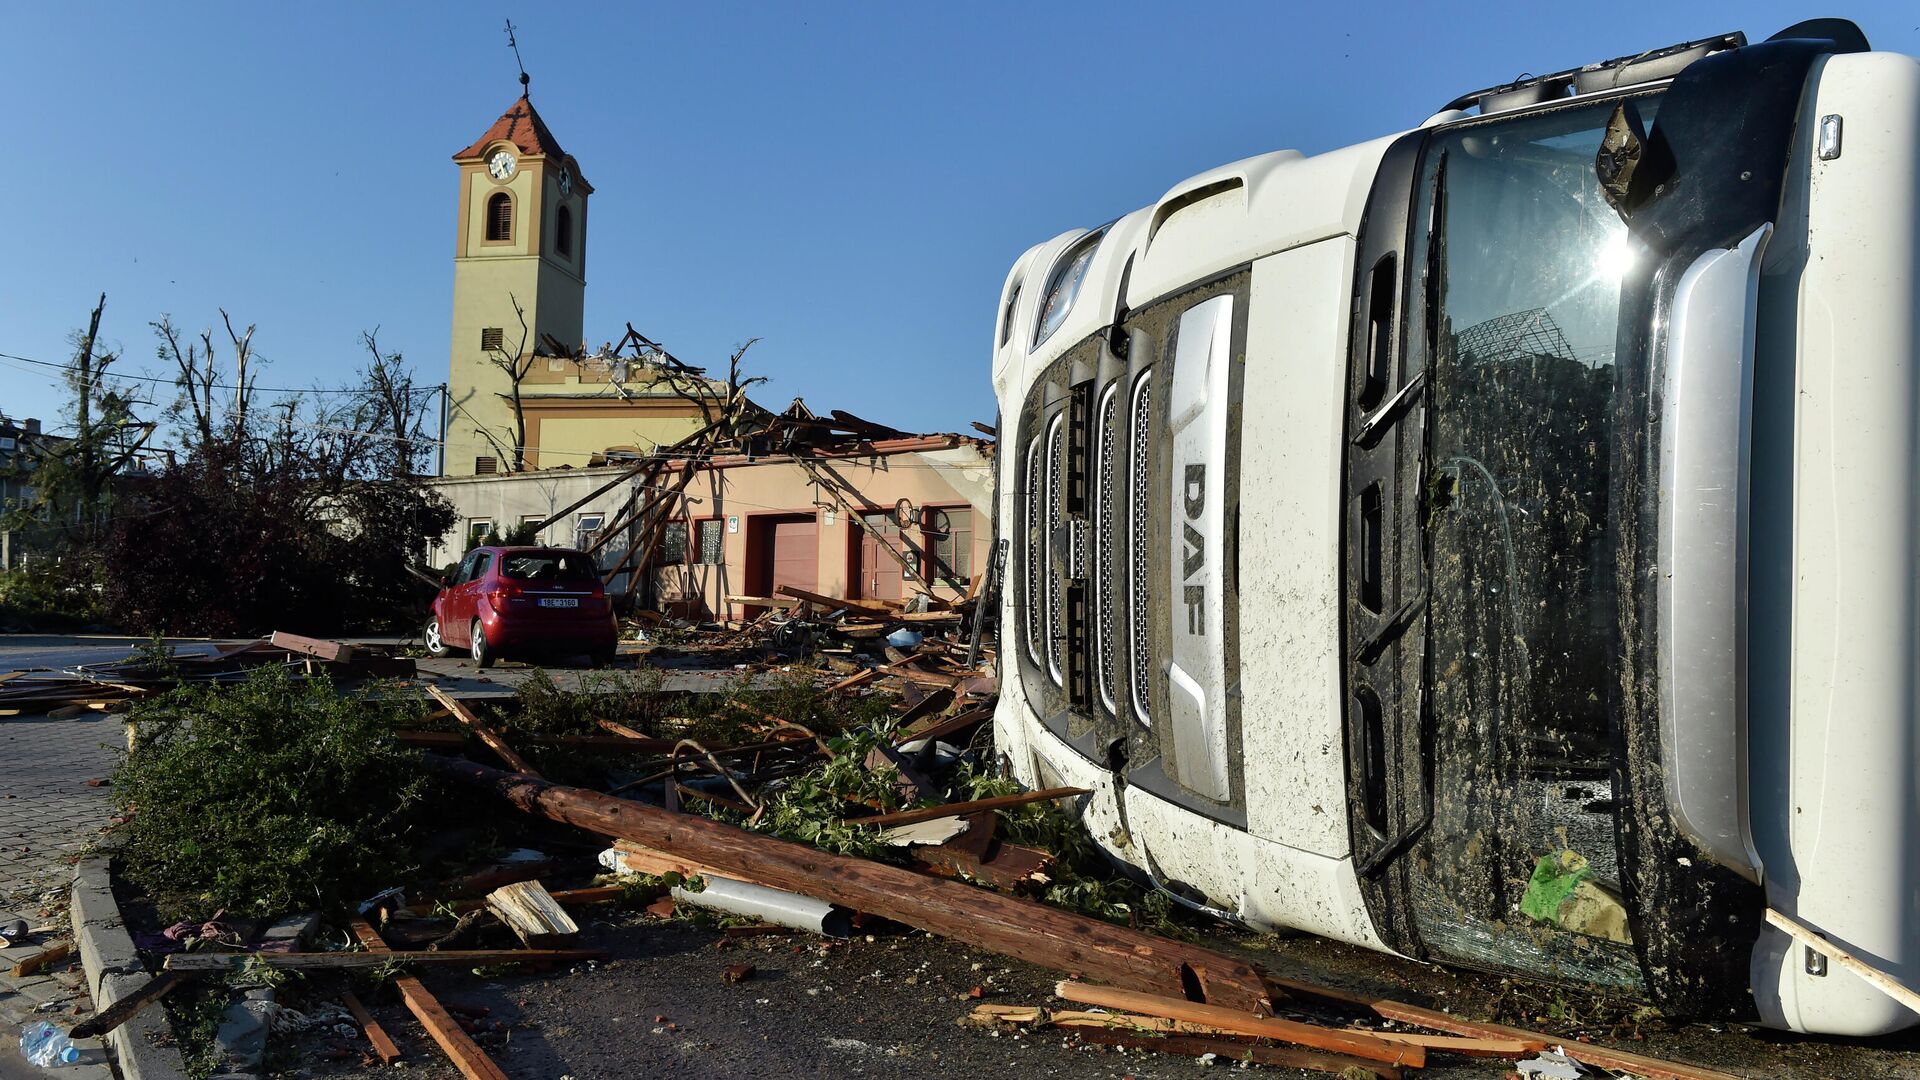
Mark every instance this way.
x=501 y=165
x=565 y=179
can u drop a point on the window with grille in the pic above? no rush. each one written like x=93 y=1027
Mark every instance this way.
x=712 y=543
x=949 y=540
x=478 y=528
x=486 y=465
x=500 y=216
x=563 y=231
x=492 y=339
x=673 y=544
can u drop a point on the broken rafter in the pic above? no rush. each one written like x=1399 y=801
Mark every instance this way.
x=466 y=1055
x=1033 y=932
x=1587 y=1053
x=998 y=802
x=383 y=1044
x=487 y=735
x=1353 y=1043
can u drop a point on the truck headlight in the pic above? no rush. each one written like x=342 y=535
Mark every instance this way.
x=1063 y=285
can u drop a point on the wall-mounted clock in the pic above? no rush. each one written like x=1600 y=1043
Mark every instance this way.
x=501 y=165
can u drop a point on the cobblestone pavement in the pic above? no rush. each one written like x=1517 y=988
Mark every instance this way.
x=48 y=815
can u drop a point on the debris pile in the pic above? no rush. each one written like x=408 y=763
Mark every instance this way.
x=67 y=692
x=848 y=797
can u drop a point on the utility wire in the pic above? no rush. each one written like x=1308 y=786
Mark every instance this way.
x=174 y=382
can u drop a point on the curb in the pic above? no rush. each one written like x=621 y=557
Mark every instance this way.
x=113 y=971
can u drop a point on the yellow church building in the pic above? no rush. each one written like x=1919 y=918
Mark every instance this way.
x=519 y=285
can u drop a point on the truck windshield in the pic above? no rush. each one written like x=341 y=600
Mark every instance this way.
x=1520 y=865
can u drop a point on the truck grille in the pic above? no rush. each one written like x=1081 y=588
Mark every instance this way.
x=1139 y=469
x=1103 y=505
x=1050 y=537
x=1034 y=558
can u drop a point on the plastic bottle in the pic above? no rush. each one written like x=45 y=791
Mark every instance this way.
x=44 y=1044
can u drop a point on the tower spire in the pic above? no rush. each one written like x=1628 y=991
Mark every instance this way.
x=525 y=79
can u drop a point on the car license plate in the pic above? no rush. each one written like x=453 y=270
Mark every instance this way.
x=559 y=601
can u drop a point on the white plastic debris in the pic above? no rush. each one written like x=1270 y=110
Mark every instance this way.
x=1552 y=1064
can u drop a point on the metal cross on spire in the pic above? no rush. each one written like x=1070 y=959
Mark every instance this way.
x=525 y=79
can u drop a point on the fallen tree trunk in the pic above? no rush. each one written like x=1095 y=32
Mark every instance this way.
x=1022 y=929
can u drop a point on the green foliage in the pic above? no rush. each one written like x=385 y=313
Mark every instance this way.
x=266 y=797
x=811 y=808
x=50 y=595
x=1084 y=879
x=630 y=698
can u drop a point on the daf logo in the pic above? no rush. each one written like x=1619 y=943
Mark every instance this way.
x=1193 y=594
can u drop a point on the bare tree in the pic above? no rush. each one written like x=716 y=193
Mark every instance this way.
x=218 y=425
x=73 y=478
x=515 y=364
x=396 y=408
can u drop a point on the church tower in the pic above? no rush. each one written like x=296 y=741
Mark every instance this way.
x=522 y=239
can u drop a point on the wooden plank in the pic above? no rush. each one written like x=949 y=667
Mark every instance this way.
x=1008 y=866
x=1227 y=1050
x=494 y=742
x=765 y=601
x=987 y=1013
x=596 y=894
x=383 y=1044
x=1873 y=976
x=864 y=675
x=533 y=914
x=1587 y=1053
x=338 y=652
x=998 y=802
x=943 y=727
x=922 y=677
x=45 y=958
x=466 y=1055
x=1241 y=1023
x=348 y=961
x=644 y=860
x=835 y=603
x=621 y=730
x=128 y=1007
x=1033 y=932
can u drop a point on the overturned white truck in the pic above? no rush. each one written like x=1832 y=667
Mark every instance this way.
x=1495 y=543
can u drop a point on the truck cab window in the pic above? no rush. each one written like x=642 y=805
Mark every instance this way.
x=1527 y=263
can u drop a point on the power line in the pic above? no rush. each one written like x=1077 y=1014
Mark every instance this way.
x=176 y=382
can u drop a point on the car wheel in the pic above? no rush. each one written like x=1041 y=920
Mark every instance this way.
x=482 y=652
x=436 y=645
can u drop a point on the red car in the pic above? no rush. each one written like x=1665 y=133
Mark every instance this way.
x=523 y=601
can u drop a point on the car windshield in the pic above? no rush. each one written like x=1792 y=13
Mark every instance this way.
x=548 y=566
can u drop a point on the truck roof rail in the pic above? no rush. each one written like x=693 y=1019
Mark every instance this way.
x=1661 y=63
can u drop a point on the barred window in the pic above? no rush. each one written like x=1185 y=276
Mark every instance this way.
x=673 y=544
x=713 y=540
x=500 y=216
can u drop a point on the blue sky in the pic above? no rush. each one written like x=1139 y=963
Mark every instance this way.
x=848 y=183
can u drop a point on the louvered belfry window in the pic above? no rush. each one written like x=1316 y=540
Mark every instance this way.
x=500 y=216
